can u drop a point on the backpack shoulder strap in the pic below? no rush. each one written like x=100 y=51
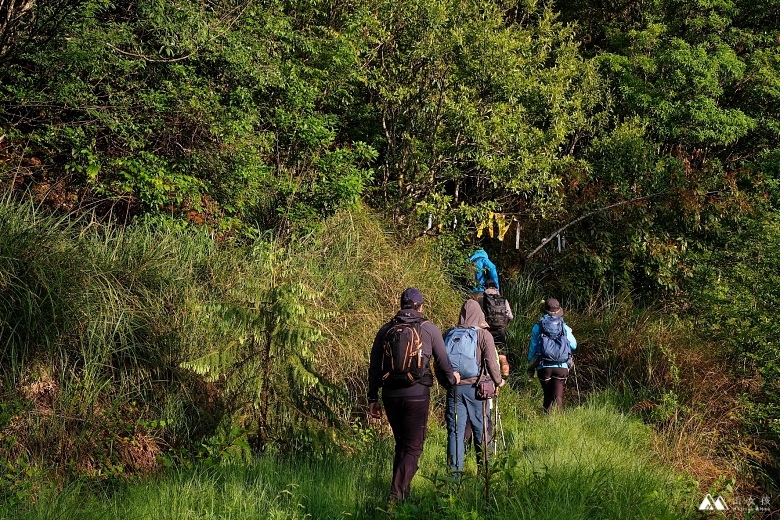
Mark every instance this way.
x=540 y=324
x=420 y=323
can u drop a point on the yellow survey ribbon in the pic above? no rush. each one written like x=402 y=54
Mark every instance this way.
x=503 y=225
x=482 y=225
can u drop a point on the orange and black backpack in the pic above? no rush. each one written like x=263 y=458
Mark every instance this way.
x=403 y=364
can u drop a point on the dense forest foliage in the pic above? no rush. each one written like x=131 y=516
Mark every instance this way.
x=606 y=150
x=647 y=130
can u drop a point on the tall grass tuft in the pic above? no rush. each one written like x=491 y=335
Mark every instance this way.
x=94 y=329
x=123 y=345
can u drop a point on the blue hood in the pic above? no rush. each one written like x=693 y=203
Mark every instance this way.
x=479 y=253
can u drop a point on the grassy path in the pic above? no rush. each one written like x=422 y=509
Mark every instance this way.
x=590 y=462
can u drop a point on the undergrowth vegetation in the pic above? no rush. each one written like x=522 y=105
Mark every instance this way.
x=600 y=464
x=657 y=367
x=125 y=348
x=126 y=351
x=95 y=325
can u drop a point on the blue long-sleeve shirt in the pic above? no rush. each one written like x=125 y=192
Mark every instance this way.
x=486 y=270
x=535 y=343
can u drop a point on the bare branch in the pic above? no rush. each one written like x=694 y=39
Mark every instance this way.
x=11 y=14
x=583 y=217
x=151 y=60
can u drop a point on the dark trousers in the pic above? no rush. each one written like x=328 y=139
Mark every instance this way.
x=408 y=417
x=553 y=381
x=499 y=338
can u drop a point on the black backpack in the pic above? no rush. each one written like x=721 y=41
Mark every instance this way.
x=496 y=314
x=403 y=356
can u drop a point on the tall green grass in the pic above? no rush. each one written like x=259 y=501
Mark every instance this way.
x=124 y=344
x=587 y=462
x=95 y=323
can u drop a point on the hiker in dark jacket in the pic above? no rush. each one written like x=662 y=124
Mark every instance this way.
x=498 y=328
x=462 y=402
x=407 y=406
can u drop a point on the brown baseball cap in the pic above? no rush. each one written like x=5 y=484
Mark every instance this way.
x=552 y=307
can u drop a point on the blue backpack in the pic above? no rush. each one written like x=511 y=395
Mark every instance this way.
x=554 y=345
x=461 y=343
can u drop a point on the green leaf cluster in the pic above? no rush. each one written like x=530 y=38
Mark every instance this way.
x=227 y=113
x=681 y=159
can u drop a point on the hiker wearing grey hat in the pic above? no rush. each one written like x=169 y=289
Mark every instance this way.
x=549 y=353
x=400 y=365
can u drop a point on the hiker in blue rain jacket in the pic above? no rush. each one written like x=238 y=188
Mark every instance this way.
x=485 y=270
x=552 y=376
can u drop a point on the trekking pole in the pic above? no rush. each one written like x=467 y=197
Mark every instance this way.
x=455 y=410
x=494 y=420
x=485 y=453
x=494 y=439
x=500 y=425
x=576 y=383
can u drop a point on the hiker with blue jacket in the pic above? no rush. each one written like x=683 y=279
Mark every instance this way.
x=549 y=353
x=481 y=361
x=485 y=270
